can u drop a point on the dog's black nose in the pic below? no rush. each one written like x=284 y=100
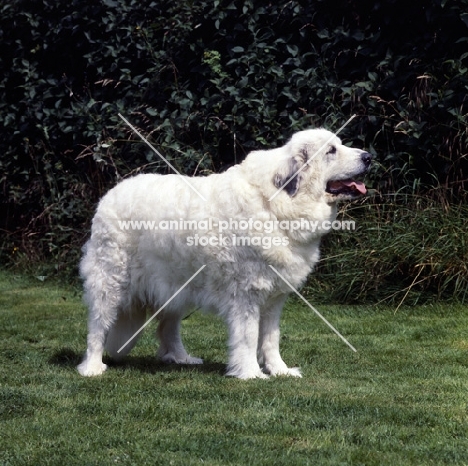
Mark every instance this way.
x=366 y=158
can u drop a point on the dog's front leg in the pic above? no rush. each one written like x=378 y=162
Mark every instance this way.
x=243 y=326
x=269 y=338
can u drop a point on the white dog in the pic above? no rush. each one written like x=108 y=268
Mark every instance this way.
x=236 y=224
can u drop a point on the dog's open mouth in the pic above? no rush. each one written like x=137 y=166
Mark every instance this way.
x=346 y=187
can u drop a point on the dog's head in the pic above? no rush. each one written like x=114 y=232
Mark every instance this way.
x=316 y=162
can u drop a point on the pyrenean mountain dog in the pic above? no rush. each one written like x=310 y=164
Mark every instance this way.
x=249 y=232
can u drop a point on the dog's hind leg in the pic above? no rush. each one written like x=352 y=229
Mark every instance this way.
x=104 y=293
x=92 y=363
x=171 y=349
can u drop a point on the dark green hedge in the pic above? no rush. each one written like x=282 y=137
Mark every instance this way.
x=211 y=80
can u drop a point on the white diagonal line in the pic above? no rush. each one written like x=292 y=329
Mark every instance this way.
x=184 y=178
x=315 y=310
x=311 y=158
x=161 y=308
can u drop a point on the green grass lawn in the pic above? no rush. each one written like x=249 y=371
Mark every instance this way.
x=400 y=400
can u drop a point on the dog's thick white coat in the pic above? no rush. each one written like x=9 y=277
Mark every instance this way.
x=128 y=271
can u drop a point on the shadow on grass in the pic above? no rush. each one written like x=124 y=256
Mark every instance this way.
x=67 y=357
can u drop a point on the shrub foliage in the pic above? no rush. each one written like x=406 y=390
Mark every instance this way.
x=207 y=82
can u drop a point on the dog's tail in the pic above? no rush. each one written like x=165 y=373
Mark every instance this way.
x=122 y=330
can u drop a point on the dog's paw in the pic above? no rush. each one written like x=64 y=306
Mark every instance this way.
x=282 y=370
x=87 y=369
x=192 y=360
x=293 y=372
x=171 y=358
x=246 y=374
x=256 y=375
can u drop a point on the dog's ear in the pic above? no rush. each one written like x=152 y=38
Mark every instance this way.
x=287 y=177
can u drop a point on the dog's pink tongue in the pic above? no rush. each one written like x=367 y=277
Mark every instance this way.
x=358 y=185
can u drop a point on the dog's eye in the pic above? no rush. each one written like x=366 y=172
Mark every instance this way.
x=332 y=150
